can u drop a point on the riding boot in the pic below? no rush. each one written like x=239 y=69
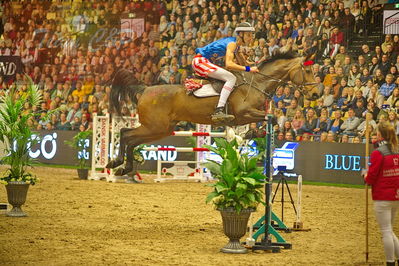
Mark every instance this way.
x=219 y=116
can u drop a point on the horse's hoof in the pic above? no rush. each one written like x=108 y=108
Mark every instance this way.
x=114 y=163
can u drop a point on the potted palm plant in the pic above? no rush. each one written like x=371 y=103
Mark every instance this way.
x=17 y=138
x=237 y=192
x=78 y=143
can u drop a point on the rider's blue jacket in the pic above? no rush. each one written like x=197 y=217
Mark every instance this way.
x=215 y=50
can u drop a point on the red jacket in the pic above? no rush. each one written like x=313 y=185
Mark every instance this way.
x=383 y=174
x=337 y=38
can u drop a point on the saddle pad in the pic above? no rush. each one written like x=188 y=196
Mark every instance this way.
x=206 y=90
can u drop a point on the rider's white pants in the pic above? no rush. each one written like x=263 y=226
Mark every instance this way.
x=203 y=67
x=230 y=81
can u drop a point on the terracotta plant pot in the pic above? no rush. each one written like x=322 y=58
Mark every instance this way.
x=17 y=192
x=235 y=227
x=83 y=173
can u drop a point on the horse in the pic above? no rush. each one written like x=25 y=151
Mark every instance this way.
x=161 y=107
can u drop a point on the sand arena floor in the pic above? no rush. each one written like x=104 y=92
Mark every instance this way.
x=77 y=222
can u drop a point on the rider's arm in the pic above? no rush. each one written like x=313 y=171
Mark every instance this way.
x=230 y=64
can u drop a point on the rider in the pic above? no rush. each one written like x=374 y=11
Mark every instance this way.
x=204 y=65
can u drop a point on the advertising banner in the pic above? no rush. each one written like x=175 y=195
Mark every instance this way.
x=320 y=162
x=130 y=25
x=330 y=162
x=9 y=66
x=391 y=21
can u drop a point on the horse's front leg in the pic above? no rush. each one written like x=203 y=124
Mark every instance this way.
x=129 y=165
x=122 y=149
x=254 y=115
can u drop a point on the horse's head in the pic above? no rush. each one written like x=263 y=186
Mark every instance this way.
x=303 y=77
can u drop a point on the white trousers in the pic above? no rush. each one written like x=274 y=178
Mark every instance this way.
x=385 y=212
x=230 y=81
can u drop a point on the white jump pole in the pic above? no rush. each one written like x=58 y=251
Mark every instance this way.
x=298 y=223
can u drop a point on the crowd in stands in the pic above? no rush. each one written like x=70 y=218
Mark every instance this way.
x=71 y=48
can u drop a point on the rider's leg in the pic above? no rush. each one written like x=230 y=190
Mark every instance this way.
x=205 y=68
x=230 y=81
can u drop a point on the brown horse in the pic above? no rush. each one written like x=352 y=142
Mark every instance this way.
x=161 y=107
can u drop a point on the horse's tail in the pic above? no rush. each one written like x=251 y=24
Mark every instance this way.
x=125 y=88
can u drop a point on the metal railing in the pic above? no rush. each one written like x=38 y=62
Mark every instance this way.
x=393 y=26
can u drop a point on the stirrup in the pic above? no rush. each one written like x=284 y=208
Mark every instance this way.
x=219 y=116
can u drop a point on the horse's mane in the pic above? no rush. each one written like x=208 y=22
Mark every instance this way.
x=279 y=54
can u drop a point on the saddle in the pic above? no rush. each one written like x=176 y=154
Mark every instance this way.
x=203 y=87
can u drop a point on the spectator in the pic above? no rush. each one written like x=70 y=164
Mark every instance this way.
x=350 y=125
x=288 y=128
x=63 y=124
x=292 y=109
x=359 y=108
x=74 y=112
x=330 y=137
x=387 y=88
x=336 y=123
x=367 y=54
x=345 y=139
x=279 y=95
x=394 y=97
x=348 y=22
x=365 y=77
x=372 y=108
x=388 y=41
x=310 y=123
x=341 y=55
x=336 y=40
x=328 y=78
x=344 y=100
x=379 y=78
x=322 y=124
x=384 y=65
x=327 y=98
x=362 y=127
x=288 y=136
x=358 y=86
x=298 y=121
x=353 y=75
x=393 y=120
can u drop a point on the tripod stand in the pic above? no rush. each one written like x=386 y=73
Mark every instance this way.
x=283 y=182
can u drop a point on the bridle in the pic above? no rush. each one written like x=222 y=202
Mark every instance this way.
x=280 y=82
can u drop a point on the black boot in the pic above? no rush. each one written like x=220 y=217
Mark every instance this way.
x=219 y=116
x=390 y=263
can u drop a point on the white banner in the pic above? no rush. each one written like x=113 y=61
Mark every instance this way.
x=130 y=25
x=391 y=22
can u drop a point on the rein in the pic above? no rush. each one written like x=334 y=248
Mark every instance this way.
x=280 y=82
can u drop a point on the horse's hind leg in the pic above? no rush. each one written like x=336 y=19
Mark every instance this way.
x=137 y=136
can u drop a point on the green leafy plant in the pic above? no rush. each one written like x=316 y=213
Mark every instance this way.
x=138 y=154
x=16 y=134
x=260 y=146
x=78 y=143
x=240 y=181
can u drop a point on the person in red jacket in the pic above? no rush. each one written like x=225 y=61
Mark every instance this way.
x=336 y=40
x=383 y=176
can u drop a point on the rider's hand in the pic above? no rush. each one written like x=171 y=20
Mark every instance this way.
x=254 y=69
